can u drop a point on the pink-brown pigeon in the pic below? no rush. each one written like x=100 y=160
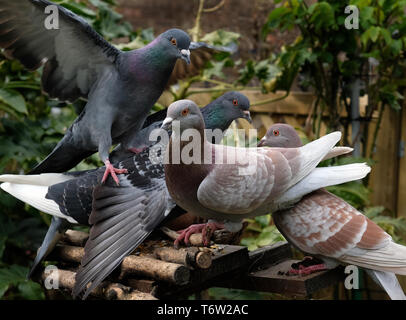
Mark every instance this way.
x=330 y=229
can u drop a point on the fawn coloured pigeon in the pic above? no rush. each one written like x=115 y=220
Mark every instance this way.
x=327 y=227
x=228 y=184
x=141 y=201
x=120 y=87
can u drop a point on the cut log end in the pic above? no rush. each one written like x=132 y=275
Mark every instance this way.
x=203 y=260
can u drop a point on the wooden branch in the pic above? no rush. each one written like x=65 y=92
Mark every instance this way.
x=156 y=269
x=215 y=8
x=142 y=285
x=67 y=253
x=110 y=291
x=189 y=257
x=74 y=237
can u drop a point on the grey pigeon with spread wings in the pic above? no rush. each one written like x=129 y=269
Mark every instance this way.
x=228 y=184
x=330 y=229
x=140 y=201
x=120 y=87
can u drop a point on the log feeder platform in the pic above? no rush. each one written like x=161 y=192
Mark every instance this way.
x=157 y=270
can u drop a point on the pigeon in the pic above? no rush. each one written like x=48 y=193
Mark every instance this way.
x=217 y=115
x=328 y=228
x=141 y=200
x=120 y=87
x=226 y=184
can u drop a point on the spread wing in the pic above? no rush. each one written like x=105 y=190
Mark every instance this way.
x=74 y=54
x=121 y=219
x=201 y=53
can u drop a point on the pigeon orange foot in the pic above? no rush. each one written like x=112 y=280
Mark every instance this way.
x=307 y=266
x=111 y=170
x=206 y=229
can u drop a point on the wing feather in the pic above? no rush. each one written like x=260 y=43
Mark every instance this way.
x=322 y=223
x=122 y=218
x=74 y=54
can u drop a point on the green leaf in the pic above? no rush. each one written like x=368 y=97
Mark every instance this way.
x=31 y=290
x=12 y=275
x=354 y=193
x=3 y=288
x=13 y=99
x=15 y=276
x=215 y=70
x=263 y=220
x=80 y=9
x=221 y=37
x=322 y=15
x=371 y=34
x=265 y=238
x=367 y=17
x=372 y=212
x=276 y=18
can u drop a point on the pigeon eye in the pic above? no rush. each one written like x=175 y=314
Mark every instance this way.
x=174 y=42
x=235 y=102
x=276 y=133
x=185 y=112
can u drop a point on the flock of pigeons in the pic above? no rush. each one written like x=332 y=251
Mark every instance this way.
x=136 y=190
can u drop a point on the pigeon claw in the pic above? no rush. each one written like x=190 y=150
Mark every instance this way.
x=307 y=266
x=110 y=170
x=206 y=229
x=185 y=234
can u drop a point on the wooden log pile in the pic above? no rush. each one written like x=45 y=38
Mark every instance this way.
x=153 y=263
x=157 y=270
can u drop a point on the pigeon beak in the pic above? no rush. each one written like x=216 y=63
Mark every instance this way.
x=166 y=125
x=185 y=55
x=247 y=116
x=261 y=142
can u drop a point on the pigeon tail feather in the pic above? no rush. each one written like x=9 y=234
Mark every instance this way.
x=55 y=232
x=390 y=258
x=314 y=152
x=35 y=196
x=337 y=151
x=324 y=177
x=44 y=179
x=389 y=282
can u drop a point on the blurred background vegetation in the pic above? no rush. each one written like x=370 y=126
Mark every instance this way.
x=323 y=57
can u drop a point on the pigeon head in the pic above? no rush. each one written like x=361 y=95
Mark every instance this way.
x=187 y=113
x=221 y=112
x=281 y=135
x=236 y=105
x=177 y=41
